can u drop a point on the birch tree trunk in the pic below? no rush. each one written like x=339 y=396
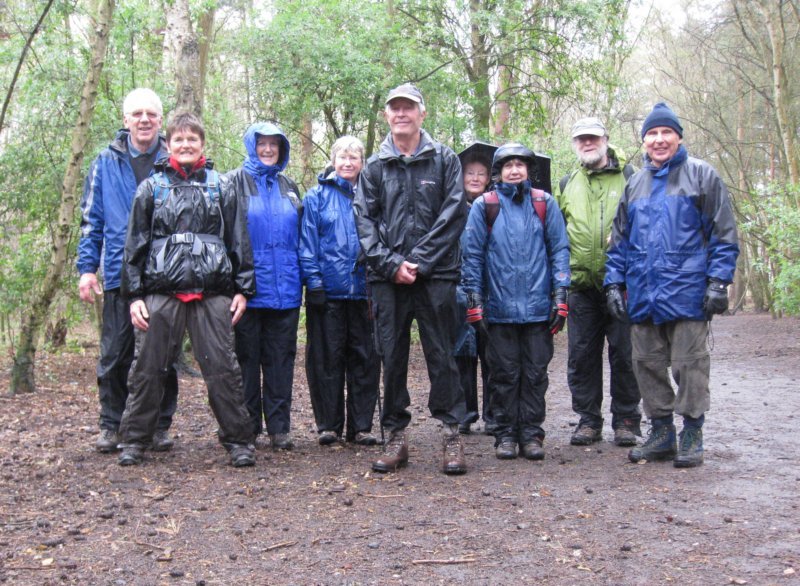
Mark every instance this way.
x=23 y=368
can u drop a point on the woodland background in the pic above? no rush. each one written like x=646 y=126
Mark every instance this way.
x=493 y=70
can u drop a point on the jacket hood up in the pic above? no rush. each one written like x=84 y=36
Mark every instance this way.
x=252 y=163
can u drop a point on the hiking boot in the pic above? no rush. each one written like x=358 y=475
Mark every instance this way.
x=161 y=441
x=242 y=455
x=132 y=455
x=506 y=449
x=533 y=450
x=690 y=448
x=586 y=435
x=625 y=434
x=395 y=453
x=660 y=445
x=465 y=428
x=453 y=461
x=107 y=441
x=281 y=441
x=365 y=438
x=327 y=438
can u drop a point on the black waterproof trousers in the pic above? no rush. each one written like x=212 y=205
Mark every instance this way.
x=209 y=325
x=433 y=304
x=589 y=325
x=468 y=373
x=518 y=359
x=339 y=350
x=266 y=345
x=116 y=356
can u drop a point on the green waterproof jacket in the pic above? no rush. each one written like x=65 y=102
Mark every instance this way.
x=589 y=202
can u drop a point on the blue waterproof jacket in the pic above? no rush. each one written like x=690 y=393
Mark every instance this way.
x=674 y=230
x=105 y=206
x=274 y=212
x=517 y=265
x=329 y=246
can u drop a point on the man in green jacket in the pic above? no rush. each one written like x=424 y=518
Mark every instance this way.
x=588 y=200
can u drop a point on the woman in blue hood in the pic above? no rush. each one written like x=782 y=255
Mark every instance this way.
x=266 y=336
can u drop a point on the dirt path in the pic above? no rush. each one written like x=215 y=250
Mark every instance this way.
x=318 y=516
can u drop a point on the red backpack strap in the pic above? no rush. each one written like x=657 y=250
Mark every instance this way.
x=492 y=208
x=540 y=205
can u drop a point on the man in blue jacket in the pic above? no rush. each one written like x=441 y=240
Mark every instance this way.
x=105 y=206
x=673 y=251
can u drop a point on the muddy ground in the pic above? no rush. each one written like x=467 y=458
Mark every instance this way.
x=69 y=515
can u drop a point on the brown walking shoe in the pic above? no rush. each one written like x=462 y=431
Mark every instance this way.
x=453 y=461
x=533 y=450
x=586 y=435
x=395 y=453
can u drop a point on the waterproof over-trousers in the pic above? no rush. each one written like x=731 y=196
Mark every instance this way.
x=209 y=324
x=681 y=346
x=468 y=373
x=433 y=304
x=518 y=359
x=588 y=326
x=340 y=350
x=266 y=345
x=116 y=357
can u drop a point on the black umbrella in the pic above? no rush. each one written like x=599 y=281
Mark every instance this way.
x=541 y=175
x=478 y=151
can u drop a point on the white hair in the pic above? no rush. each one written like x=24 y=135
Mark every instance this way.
x=139 y=96
x=346 y=144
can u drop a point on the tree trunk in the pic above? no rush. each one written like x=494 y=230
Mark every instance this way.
x=188 y=54
x=502 y=110
x=479 y=73
x=22 y=372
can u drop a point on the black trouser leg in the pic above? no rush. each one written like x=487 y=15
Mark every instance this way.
x=505 y=369
x=536 y=350
x=586 y=336
x=363 y=368
x=326 y=335
x=625 y=396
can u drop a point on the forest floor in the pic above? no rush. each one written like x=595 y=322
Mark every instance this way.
x=318 y=515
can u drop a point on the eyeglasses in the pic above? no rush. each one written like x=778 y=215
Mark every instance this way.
x=142 y=114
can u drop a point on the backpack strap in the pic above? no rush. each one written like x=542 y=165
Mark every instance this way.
x=212 y=185
x=540 y=205
x=562 y=185
x=492 y=208
x=628 y=170
x=161 y=190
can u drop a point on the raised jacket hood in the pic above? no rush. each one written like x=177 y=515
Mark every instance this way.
x=252 y=163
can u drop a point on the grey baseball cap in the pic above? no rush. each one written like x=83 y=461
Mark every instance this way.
x=408 y=91
x=592 y=126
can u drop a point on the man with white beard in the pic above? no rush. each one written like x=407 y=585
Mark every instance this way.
x=588 y=199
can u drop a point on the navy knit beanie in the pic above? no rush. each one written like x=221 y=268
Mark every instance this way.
x=662 y=115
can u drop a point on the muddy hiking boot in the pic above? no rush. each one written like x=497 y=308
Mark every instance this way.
x=586 y=435
x=690 y=448
x=395 y=453
x=453 y=461
x=132 y=455
x=533 y=450
x=161 y=441
x=365 y=438
x=281 y=441
x=660 y=445
x=625 y=434
x=506 y=449
x=328 y=437
x=107 y=441
x=241 y=455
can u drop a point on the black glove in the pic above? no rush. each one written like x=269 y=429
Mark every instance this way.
x=617 y=302
x=558 y=311
x=716 y=298
x=316 y=297
x=474 y=307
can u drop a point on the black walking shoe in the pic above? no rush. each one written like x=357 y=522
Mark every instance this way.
x=660 y=445
x=533 y=450
x=327 y=438
x=132 y=455
x=586 y=435
x=690 y=448
x=281 y=441
x=365 y=438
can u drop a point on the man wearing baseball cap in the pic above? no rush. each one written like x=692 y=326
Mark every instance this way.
x=671 y=258
x=588 y=199
x=410 y=212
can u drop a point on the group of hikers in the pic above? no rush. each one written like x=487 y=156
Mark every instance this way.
x=470 y=245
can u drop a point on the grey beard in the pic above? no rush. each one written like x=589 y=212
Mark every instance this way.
x=592 y=161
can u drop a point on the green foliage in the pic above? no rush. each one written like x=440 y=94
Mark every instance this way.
x=774 y=220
